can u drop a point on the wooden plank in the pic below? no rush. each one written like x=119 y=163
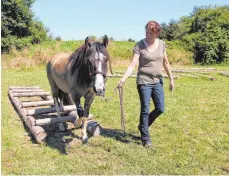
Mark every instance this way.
x=37 y=103
x=37 y=131
x=24 y=87
x=55 y=120
x=50 y=110
x=27 y=94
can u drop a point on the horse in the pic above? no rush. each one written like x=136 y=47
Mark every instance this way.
x=80 y=74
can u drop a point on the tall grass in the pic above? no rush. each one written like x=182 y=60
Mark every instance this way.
x=120 y=52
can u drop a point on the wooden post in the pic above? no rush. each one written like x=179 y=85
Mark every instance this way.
x=37 y=131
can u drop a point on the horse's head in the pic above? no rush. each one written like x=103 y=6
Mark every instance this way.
x=97 y=56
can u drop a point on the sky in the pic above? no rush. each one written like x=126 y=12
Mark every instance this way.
x=119 y=19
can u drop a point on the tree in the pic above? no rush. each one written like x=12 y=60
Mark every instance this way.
x=205 y=32
x=19 y=29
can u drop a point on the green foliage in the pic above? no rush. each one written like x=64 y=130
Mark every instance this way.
x=19 y=29
x=205 y=32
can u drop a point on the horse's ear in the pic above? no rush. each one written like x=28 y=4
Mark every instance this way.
x=87 y=42
x=105 y=41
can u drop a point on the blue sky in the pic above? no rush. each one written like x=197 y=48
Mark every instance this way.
x=120 y=19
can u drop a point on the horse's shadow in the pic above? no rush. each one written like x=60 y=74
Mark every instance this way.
x=61 y=141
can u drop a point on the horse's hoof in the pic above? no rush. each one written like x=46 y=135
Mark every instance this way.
x=78 y=123
x=84 y=140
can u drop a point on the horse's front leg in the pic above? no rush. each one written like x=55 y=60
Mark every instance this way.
x=89 y=97
x=79 y=111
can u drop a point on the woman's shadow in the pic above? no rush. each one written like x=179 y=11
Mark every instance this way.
x=120 y=135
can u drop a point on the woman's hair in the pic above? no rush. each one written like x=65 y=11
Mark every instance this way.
x=154 y=26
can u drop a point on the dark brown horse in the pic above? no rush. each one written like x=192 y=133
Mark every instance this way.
x=81 y=74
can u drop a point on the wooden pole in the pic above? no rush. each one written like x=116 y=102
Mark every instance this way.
x=206 y=76
x=49 y=110
x=55 y=120
x=49 y=97
x=37 y=131
x=134 y=76
x=193 y=76
x=27 y=90
x=30 y=94
x=24 y=87
x=37 y=103
x=224 y=73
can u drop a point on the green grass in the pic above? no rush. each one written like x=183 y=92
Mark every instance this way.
x=191 y=137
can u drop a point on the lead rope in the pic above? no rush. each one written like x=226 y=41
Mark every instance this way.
x=122 y=109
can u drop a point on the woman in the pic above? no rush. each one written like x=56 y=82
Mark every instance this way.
x=151 y=55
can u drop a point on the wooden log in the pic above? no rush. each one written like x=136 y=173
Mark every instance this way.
x=45 y=97
x=224 y=73
x=53 y=120
x=119 y=76
x=189 y=75
x=27 y=90
x=93 y=128
x=30 y=94
x=37 y=131
x=50 y=110
x=190 y=71
x=24 y=87
x=37 y=103
x=202 y=68
x=134 y=76
x=206 y=76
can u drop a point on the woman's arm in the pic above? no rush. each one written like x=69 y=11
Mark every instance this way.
x=168 y=71
x=130 y=69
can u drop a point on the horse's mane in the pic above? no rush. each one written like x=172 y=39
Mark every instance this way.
x=78 y=58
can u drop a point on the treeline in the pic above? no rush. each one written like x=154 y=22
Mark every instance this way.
x=205 y=32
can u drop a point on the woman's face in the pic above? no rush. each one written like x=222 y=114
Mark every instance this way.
x=150 y=35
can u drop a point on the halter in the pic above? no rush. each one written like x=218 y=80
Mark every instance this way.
x=98 y=72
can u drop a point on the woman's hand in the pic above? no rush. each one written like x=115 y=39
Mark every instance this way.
x=120 y=83
x=171 y=85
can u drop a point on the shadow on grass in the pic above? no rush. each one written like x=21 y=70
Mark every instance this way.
x=62 y=140
x=120 y=136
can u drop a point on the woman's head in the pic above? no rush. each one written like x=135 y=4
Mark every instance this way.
x=153 y=30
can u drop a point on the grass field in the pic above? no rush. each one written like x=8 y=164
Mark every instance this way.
x=191 y=137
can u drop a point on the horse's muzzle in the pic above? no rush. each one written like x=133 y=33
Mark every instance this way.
x=99 y=92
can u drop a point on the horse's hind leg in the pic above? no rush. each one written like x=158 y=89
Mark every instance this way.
x=54 y=87
x=55 y=93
